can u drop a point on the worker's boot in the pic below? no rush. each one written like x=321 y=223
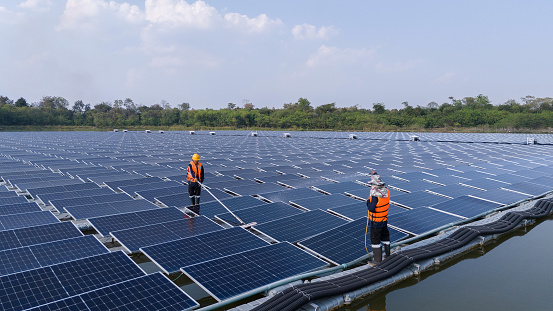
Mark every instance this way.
x=197 y=211
x=377 y=256
x=387 y=250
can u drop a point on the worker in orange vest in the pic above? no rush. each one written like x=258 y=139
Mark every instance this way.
x=378 y=204
x=195 y=176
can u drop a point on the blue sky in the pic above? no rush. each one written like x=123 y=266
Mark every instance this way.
x=210 y=53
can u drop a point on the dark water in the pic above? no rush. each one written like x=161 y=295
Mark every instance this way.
x=513 y=273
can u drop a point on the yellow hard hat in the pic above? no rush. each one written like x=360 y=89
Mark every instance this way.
x=196 y=157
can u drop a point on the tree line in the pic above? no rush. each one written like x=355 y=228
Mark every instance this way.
x=469 y=112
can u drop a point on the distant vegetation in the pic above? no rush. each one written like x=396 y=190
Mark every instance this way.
x=475 y=113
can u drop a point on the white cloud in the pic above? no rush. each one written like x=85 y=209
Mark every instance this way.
x=87 y=14
x=36 y=4
x=181 y=13
x=310 y=32
x=254 y=25
x=332 y=56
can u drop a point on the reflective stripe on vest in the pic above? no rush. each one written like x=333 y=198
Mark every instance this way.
x=381 y=210
x=196 y=171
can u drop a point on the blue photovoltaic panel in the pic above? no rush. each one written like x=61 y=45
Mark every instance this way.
x=27 y=220
x=19 y=208
x=90 y=211
x=454 y=191
x=466 y=206
x=213 y=208
x=64 y=203
x=8 y=240
x=342 y=187
x=360 y=210
x=509 y=178
x=301 y=226
x=16 y=260
x=30 y=288
x=150 y=194
x=544 y=181
x=411 y=186
x=150 y=292
x=446 y=179
x=172 y=256
x=324 y=202
x=135 y=238
x=501 y=196
x=68 y=304
x=421 y=220
x=229 y=276
x=345 y=243
x=80 y=276
x=104 y=225
x=484 y=183
x=365 y=193
x=417 y=199
x=261 y=213
x=291 y=194
x=13 y=200
x=528 y=188
x=47 y=233
x=69 y=249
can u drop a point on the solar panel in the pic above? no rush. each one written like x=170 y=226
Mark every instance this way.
x=150 y=195
x=260 y=214
x=27 y=220
x=484 y=183
x=19 y=208
x=466 y=206
x=16 y=260
x=110 y=208
x=172 y=256
x=183 y=199
x=410 y=186
x=417 y=199
x=345 y=243
x=210 y=209
x=150 y=292
x=255 y=188
x=13 y=200
x=342 y=187
x=135 y=238
x=324 y=202
x=63 y=203
x=291 y=194
x=528 y=188
x=454 y=191
x=421 y=220
x=502 y=196
x=69 y=249
x=446 y=179
x=298 y=227
x=230 y=276
x=46 y=233
x=47 y=197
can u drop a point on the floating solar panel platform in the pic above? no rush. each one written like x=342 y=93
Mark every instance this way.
x=134 y=238
x=291 y=194
x=210 y=209
x=230 y=276
x=19 y=208
x=455 y=191
x=109 y=208
x=38 y=234
x=324 y=202
x=341 y=187
x=172 y=256
x=466 y=206
x=345 y=243
x=298 y=227
x=528 y=188
x=501 y=196
x=74 y=187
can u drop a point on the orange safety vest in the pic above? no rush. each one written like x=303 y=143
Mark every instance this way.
x=196 y=172
x=381 y=213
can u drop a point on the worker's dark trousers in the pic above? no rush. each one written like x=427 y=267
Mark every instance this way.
x=194 y=191
x=379 y=234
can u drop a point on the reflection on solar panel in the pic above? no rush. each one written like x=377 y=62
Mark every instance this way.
x=172 y=256
x=324 y=202
x=150 y=292
x=229 y=276
x=417 y=199
x=421 y=220
x=106 y=224
x=466 y=206
x=135 y=238
x=27 y=220
x=38 y=234
x=299 y=227
x=345 y=243
x=342 y=187
x=261 y=213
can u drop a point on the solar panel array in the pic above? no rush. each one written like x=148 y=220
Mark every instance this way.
x=309 y=189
